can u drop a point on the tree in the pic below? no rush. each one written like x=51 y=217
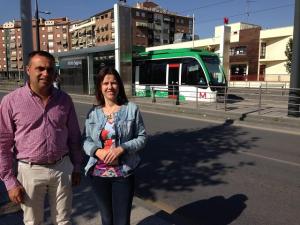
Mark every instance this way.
x=289 y=52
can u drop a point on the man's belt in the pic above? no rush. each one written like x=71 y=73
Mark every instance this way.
x=49 y=163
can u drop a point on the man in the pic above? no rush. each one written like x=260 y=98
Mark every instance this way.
x=39 y=129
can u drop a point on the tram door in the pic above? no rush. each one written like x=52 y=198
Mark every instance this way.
x=173 y=79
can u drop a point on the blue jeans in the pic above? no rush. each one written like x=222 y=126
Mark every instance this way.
x=114 y=197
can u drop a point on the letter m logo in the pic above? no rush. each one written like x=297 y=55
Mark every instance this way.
x=202 y=95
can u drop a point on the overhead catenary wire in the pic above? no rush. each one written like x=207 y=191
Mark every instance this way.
x=250 y=12
x=206 y=6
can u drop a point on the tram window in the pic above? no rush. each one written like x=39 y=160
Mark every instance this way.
x=144 y=74
x=158 y=73
x=153 y=73
x=192 y=73
x=212 y=64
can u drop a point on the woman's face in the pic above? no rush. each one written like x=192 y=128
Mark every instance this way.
x=110 y=88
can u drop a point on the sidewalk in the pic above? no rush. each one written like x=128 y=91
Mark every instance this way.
x=85 y=211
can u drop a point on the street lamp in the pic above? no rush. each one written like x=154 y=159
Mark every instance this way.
x=37 y=25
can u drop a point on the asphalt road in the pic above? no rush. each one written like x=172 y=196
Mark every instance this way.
x=216 y=173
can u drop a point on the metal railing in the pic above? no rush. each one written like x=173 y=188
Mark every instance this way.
x=262 y=100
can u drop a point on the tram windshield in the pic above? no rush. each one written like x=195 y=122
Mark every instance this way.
x=213 y=66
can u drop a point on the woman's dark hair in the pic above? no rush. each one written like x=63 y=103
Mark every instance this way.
x=121 y=98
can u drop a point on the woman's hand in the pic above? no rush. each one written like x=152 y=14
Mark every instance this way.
x=100 y=153
x=112 y=155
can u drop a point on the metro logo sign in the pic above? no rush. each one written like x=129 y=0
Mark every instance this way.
x=202 y=95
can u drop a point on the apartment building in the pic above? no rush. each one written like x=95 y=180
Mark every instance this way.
x=151 y=26
x=11 y=47
x=95 y=31
x=272 y=58
x=54 y=37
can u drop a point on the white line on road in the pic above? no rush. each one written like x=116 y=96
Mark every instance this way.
x=236 y=123
x=270 y=158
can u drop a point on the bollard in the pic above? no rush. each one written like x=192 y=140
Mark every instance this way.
x=225 y=99
x=177 y=98
x=197 y=103
x=259 y=102
x=153 y=95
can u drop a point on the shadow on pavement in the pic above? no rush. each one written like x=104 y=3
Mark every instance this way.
x=180 y=161
x=213 y=211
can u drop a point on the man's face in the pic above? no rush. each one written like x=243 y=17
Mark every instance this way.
x=41 y=73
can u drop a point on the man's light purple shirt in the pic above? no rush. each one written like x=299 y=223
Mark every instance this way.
x=32 y=132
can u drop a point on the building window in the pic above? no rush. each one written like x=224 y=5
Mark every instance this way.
x=137 y=13
x=50 y=44
x=263 y=46
x=58 y=35
x=50 y=36
x=262 y=69
x=240 y=50
x=238 y=69
x=50 y=29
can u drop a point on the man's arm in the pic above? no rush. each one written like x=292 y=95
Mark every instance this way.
x=7 y=129
x=74 y=137
x=7 y=175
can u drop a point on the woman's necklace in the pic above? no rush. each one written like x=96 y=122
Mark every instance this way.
x=109 y=113
x=109 y=117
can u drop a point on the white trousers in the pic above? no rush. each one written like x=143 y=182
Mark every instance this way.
x=54 y=180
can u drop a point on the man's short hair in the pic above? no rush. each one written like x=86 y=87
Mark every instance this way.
x=40 y=53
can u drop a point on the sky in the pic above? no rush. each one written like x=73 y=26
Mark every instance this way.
x=207 y=13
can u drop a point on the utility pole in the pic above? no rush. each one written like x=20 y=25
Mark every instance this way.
x=26 y=26
x=37 y=26
x=193 y=30
x=6 y=33
x=294 y=95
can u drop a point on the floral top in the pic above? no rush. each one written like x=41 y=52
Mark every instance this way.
x=108 y=137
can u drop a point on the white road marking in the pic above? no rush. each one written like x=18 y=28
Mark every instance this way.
x=270 y=158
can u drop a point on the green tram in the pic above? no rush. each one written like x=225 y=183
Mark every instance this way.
x=194 y=74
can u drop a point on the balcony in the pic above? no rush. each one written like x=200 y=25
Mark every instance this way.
x=141 y=24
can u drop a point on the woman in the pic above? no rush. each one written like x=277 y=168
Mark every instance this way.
x=114 y=133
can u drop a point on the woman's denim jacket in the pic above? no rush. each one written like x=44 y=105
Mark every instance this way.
x=130 y=134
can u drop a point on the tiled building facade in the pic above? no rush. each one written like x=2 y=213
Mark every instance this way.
x=54 y=37
x=151 y=26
